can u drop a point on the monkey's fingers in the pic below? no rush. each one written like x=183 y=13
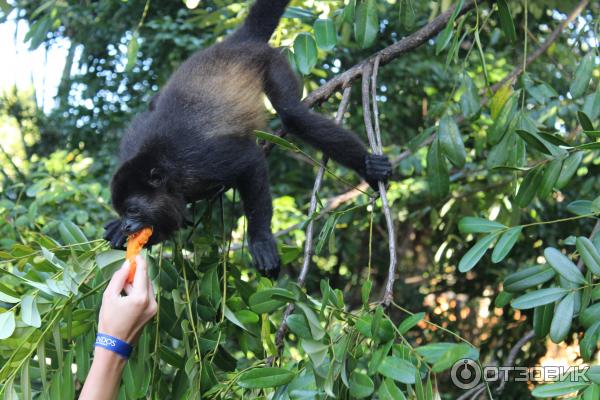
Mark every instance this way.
x=266 y=258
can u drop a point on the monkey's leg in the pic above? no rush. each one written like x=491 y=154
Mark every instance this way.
x=253 y=185
x=343 y=146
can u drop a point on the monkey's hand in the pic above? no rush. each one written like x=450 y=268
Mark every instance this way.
x=264 y=253
x=114 y=234
x=377 y=168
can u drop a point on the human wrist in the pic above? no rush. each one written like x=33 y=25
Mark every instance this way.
x=113 y=344
x=104 y=357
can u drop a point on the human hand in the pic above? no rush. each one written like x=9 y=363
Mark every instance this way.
x=124 y=316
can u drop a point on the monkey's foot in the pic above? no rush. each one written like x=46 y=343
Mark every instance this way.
x=266 y=259
x=377 y=168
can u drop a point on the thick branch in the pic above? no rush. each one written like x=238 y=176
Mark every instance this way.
x=386 y=55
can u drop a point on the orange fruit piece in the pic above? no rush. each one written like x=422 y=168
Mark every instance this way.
x=135 y=242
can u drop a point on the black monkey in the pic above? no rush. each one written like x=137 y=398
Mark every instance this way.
x=197 y=137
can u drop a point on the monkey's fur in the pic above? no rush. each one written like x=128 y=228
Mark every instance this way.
x=197 y=137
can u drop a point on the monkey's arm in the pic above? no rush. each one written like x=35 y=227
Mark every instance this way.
x=253 y=185
x=336 y=142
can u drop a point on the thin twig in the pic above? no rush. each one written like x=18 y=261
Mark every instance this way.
x=370 y=73
x=308 y=243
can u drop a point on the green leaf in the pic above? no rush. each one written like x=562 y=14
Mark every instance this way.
x=581 y=207
x=506 y=117
x=451 y=141
x=506 y=243
x=410 y=322
x=563 y=316
x=378 y=356
x=542 y=318
x=528 y=187
x=499 y=100
x=558 y=389
x=299 y=326
x=450 y=357
x=469 y=100
x=437 y=172
x=506 y=21
x=313 y=322
x=389 y=391
x=316 y=350
x=528 y=277
x=538 y=298
x=442 y=40
x=565 y=267
x=569 y=168
x=326 y=232
x=588 y=146
x=478 y=225
x=361 y=385
x=132 y=51
x=29 y=311
x=398 y=369
x=110 y=258
x=582 y=76
x=588 y=344
x=7 y=324
x=305 y=52
x=298 y=12
x=325 y=34
x=472 y=257
x=593 y=373
x=591 y=393
x=589 y=254
x=551 y=174
x=365 y=291
x=265 y=377
x=534 y=140
x=268 y=300
x=585 y=121
x=590 y=315
x=503 y=299
x=269 y=137
x=71 y=234
x=366 y=24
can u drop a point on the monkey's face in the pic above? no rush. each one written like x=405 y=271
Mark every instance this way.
x=143 y=200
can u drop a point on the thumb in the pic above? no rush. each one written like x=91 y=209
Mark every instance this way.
x=117 y=282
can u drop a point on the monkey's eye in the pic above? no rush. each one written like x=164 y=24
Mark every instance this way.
x=133 y=210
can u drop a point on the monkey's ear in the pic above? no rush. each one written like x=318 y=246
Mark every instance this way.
x=157 y=177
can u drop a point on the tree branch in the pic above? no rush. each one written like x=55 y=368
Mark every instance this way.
x=386 y=55
x=370 y=73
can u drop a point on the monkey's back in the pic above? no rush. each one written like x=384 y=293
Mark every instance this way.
x=219 y=91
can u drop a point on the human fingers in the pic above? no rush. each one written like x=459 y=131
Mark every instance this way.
x=140 y=280
x=117 y=282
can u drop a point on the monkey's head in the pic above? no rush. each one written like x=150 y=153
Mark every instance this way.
x=142 y=195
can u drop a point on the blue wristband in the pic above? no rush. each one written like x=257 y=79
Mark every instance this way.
x=113 y=344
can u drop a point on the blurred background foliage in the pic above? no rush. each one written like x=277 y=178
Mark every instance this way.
x=218 y=318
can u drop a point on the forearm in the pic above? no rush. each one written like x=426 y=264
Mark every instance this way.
x=102 y=382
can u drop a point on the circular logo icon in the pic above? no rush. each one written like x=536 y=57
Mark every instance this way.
x=465 y=374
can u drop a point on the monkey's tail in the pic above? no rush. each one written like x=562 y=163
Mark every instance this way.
x=262 y=21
